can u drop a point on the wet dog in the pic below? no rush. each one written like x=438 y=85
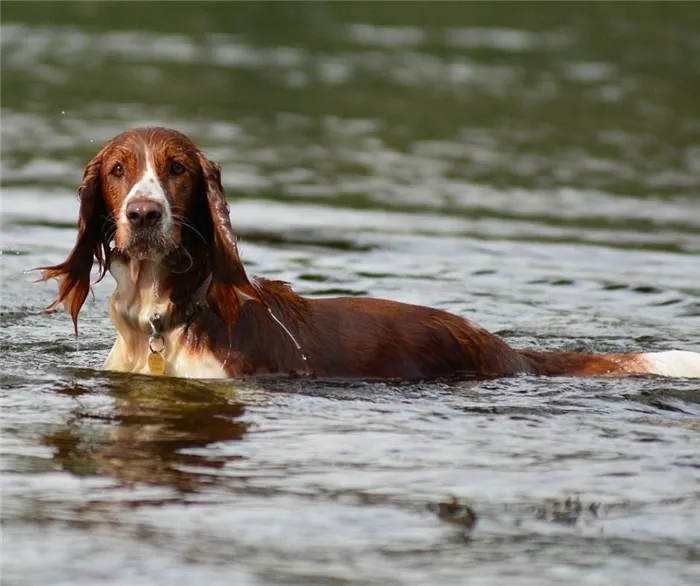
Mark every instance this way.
x=153 y=214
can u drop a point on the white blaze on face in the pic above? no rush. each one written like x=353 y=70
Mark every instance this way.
x=148 y=188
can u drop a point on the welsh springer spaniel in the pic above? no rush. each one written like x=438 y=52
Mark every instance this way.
x=153 y=213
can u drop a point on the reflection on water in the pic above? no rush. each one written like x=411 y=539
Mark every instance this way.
x=535 y=170
x=141 y=473
x=149 y=434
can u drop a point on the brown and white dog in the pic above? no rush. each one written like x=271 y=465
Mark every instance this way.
x=153 y=214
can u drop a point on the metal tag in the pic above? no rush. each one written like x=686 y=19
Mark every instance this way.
x=156 y=363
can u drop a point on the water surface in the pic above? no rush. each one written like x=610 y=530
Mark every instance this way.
x=535 y=169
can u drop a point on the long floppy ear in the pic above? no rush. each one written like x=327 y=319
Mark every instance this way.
x=229 y=287
x=74 y=272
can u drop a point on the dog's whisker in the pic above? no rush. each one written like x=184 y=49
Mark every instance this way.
x=182 y=221
x=109 y=220
x=178 y=247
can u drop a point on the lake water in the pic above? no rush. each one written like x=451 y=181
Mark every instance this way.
x=533 y=167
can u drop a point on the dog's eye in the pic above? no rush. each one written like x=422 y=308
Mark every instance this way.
x=117 y=170
x=176 y=168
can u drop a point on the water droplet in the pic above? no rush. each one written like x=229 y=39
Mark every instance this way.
x=292 y=338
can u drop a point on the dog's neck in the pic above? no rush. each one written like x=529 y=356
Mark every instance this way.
x=144 y=290
x=265 y=338
x=154 y=311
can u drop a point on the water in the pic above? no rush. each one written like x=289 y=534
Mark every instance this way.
x=536 y=171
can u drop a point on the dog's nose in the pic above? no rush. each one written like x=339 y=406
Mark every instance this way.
x=144 y=213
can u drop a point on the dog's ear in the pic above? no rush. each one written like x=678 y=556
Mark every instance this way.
x=92 y=243
x=229 y=287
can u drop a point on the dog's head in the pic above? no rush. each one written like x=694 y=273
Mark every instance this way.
x=150 y=194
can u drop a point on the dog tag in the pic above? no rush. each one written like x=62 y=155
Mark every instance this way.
x=156 y=363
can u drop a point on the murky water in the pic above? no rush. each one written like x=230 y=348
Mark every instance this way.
x=537 y=171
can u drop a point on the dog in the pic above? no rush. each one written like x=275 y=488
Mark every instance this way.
x=153 y=214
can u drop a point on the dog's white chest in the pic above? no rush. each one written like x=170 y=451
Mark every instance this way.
x=181 y=360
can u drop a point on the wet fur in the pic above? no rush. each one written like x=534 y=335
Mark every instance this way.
x=218 y=321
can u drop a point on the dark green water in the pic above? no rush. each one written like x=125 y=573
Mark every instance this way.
x=535 y=167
